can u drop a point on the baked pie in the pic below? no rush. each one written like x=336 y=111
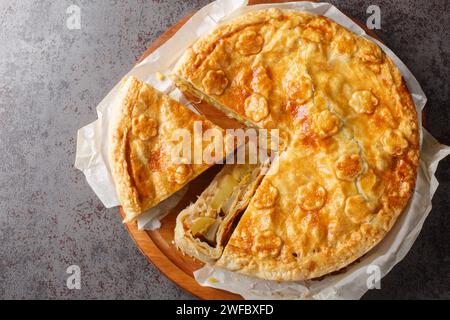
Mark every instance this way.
x=349 y=151
x=145 y=159
x=349 y=166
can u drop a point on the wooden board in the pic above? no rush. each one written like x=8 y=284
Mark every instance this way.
x=158 y=245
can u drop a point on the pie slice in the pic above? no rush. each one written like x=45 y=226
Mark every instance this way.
x=203 y=229
x=349 y=127
x=147 y=158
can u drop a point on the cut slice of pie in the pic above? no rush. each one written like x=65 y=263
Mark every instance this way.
x=203 y=229
x=152 y=146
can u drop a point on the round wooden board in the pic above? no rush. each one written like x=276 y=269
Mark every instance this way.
x=158 y=245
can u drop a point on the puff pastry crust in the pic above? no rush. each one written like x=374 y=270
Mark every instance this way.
x=143 y=145
x=350 y=166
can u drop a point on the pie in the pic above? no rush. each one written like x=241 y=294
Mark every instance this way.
x=350 y=137
x=144 y=142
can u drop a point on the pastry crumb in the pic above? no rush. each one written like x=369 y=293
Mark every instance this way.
x=212 y=280
x=160 y=76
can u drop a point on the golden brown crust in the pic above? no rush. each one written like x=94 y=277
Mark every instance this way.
x=142 y=146
x=351 y=164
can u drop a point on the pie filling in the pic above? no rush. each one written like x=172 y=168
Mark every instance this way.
x=215 y=212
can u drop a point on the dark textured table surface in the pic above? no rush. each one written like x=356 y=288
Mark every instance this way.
x=53 y=77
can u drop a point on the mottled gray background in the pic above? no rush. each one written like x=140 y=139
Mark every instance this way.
x=51 y=79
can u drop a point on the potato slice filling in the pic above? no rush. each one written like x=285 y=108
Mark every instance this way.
x=223 y=197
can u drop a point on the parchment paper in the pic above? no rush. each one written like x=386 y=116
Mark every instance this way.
x=92 y=159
